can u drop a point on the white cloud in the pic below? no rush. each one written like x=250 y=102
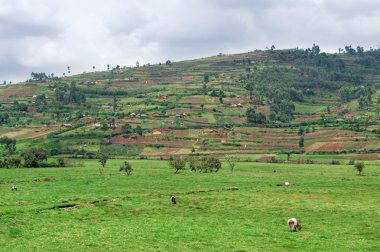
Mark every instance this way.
x=49 y=35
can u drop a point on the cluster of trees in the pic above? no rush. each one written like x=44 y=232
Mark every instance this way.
x=364 y=94
x=127 y=129
x=253 y=117
x=65 y=94
x=200 y=164
x=42 y=76
x=281 y=110
x=8 y=144
x=4 y=118
x=40 y=103
x=12 y=162
x=31 y=158
x=18 y=107
x=218 y=93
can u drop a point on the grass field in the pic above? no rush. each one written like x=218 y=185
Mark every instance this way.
x=339 y=210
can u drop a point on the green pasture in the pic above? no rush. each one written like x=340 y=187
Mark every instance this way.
x=76 y=208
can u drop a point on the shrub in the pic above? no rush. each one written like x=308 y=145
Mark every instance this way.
x=177 y=163
x=359 y=166
x=335 y=162
x=61 y=162
x=126 y=167
x=34 y=156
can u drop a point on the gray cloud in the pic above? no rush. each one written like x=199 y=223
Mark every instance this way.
x=49 y=35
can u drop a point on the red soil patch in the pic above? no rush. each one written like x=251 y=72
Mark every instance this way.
x=138 y=140
x=193 y=100
x=21 y=92
x=367 y=157
x=38 y=132
x=236 y=119
x=332 y=146
x=199 y=120
x=302 y=118
x=169 y=78
x=175 y=111
x=181 y=133
x=130 y=120
x=187 y=78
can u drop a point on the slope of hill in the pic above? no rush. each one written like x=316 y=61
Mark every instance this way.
x=244 y=105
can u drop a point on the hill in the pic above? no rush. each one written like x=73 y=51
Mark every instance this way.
x=272 y=106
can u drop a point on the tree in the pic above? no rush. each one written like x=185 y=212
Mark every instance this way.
x=40 y=103
x=126 y=167
x=231 y=162
x=34 y=156
x=202 y=106
x=9 y=144
x=206 y=77
x=114 y=105
x=139 y=130
x=127 y=128
x=301 y=131
x=93 y=68
x=359 y=166
x=14 y=162
x=213 y=164
x=301 y=142
x=103 y=158
x=177 y=163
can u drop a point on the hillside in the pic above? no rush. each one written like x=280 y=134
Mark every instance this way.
x=261 y=105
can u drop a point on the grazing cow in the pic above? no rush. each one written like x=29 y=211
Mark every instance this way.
x=173 y=199
x=14 y=188
x=293 y=225
x=274 y=171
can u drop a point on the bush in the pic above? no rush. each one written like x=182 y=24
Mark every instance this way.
x=359 y=166
x=61 y=162
x=177 y=163
x=205 y=164
x=126 y=167
x=34 y=156
x=335 y=162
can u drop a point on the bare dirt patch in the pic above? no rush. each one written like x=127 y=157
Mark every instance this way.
x=331 y=146
x=367 y=157
x=181 y=133
x=138 y=140
x=193 y=100
x=20 y=92
x=187 y=78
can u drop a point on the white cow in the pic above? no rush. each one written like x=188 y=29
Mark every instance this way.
x=293 y=225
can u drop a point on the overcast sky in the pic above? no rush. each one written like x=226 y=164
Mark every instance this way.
x=49 y=35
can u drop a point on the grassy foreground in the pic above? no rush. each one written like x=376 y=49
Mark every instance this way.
x=339 y=210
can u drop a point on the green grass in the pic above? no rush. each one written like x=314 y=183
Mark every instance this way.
x=338 y=209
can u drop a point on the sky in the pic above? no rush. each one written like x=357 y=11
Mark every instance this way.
x=50 y=35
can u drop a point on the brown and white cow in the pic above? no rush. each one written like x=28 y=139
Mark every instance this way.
x=293 y=225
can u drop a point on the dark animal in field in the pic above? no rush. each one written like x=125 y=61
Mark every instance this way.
x=14 y=188
x=274 y=171
x=173 y=199
x=293 y=225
